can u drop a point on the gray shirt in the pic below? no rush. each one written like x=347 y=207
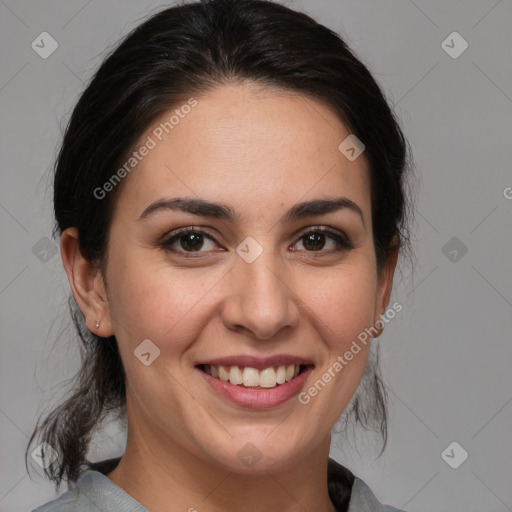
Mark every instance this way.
x=94 y=492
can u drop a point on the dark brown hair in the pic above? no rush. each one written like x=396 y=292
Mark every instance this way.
x=177 y=53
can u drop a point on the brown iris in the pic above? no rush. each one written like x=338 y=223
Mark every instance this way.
x=313 y=240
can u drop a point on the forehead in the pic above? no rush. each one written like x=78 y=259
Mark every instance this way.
x=249 y=146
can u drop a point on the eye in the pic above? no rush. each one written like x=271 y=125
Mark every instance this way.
x=315 y=240
x=188 y=240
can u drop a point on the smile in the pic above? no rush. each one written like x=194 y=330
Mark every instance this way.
x=256 y=382
x=250 y=377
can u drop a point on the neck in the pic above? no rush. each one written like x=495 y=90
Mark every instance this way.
x=174 y=479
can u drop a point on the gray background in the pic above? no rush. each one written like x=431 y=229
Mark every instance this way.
x=447 y=355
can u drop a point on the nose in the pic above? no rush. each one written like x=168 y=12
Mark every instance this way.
x=260 y=301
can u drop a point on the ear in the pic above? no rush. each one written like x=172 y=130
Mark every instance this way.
x=385 y=282
x=86 y=284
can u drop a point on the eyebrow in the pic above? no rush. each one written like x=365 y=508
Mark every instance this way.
x=208 y=209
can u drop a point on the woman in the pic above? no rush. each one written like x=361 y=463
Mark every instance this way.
x=230 y=202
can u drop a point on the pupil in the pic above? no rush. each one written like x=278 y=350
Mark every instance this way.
x=314 y=239
x=193 y=241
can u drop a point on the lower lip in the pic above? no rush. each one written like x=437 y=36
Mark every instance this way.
x=257 y=398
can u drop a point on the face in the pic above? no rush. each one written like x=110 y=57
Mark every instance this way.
x=261 y=291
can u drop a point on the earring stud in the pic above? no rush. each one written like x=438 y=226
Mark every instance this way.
x=97 y=324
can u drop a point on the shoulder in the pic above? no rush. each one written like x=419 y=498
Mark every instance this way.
x=93 y=492
x=362 y=498
x=351 y=494
x=73 y=500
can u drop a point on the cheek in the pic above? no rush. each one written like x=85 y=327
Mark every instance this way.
x=344 y=302
x=151 y=302
x=343 y=306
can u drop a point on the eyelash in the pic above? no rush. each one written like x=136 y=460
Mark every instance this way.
x=344 y=244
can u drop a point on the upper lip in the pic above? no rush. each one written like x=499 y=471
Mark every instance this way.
x=259 y=363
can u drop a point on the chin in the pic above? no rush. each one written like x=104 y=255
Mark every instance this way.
x=259 y=453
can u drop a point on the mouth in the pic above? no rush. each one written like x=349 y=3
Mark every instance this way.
x=253 y=378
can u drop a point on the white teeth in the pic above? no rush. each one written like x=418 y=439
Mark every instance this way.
x=268 y=378
x=223 y=374
x=235 y=375
x=290 y=371
x=250 y=377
